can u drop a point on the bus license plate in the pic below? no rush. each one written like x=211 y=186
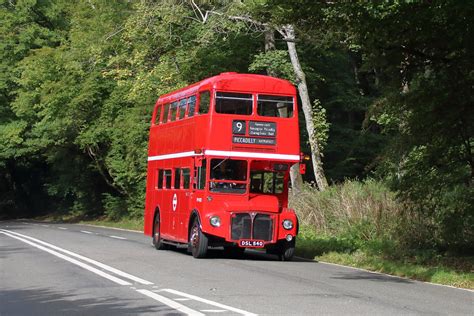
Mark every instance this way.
x=252 y=243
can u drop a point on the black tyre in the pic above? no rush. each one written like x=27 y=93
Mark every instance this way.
x=157 y=241
x=197 y=240
x=286 y=250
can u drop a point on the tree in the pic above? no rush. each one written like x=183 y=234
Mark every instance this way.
x=240 y=14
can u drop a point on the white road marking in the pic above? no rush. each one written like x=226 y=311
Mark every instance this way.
x=71 y=260
x=213 y=310
x=117 y=237
x=86 y=232
x=170 y=303
x=63 y=228
x=94 y=262
x=45 y=225
x=25 y=223
x=182 y=299
x=203 y=300
x=164 y=300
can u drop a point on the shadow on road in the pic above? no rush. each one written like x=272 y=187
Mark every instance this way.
x=362 y=275
x=42 y=301
x=253 y=255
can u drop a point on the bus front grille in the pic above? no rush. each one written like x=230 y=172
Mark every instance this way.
x=247 y=226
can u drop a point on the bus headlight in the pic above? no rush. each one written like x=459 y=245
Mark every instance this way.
x=215 y=221
x=287 y=224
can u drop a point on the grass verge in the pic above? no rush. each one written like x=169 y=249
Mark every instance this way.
x=453 y=271
x=125 y=223
x=438 y=273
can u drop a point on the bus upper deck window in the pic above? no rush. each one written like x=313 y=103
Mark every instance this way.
x=204 y=102
x=182 y=108
x=276 y=106
x=192 y=105
x=173 y=110
x=233 y=103
x=166 y=108
x=157 y=114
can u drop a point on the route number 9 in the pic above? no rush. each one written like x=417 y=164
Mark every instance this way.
x=239 y=127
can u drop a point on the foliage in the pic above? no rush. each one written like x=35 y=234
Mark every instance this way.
x=78 y=81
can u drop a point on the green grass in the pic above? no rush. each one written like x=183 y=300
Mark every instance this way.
x=125 y=223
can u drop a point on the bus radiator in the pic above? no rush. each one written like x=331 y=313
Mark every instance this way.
x=251 y=226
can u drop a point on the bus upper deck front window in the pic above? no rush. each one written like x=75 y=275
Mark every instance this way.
x=228 y=176
x=275 y=106
x=234 y=103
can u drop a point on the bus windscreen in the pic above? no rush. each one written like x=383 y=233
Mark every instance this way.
x=228 y=176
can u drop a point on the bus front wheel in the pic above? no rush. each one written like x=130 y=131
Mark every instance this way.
x=286 y=250
x=198 y=241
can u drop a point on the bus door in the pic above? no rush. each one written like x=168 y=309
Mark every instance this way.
x=165 y=204
x=180 y=203
x=199 y=184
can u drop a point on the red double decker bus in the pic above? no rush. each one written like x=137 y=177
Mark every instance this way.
x=219 y=157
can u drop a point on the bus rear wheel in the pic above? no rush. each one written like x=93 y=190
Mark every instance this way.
x=198 y=241
x=157 y=241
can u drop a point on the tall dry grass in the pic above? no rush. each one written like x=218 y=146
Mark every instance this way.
x=365 y=208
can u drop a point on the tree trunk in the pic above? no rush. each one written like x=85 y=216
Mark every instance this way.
x=295 y=176
x=288 y=33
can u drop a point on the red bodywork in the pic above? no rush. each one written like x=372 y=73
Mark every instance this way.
x=187 y=142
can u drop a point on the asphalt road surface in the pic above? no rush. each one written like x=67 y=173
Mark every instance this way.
x=58 y=269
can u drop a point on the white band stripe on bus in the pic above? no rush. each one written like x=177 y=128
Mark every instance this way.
x=235 y=154
x=242 y=154
x=170 y=156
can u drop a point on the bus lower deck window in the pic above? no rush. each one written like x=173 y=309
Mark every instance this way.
x=167 y=176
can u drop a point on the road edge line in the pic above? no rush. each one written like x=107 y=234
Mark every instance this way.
x=393 y=276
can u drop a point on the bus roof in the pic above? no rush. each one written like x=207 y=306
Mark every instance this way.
x=232 y=81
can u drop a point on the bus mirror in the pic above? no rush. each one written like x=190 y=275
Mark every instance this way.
x=302 y=168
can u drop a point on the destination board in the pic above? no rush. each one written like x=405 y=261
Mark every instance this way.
x=253 y=140
x=262 y=128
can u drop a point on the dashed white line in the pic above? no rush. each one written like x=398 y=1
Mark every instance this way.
x=63 y=228
x=45 y=225
x=213 y=310
x=170 y=303
x=203 y=300
x=182 y=299
x=86 y=232
x=118 y=237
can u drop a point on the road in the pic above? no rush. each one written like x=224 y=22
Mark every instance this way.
x=57 y=269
